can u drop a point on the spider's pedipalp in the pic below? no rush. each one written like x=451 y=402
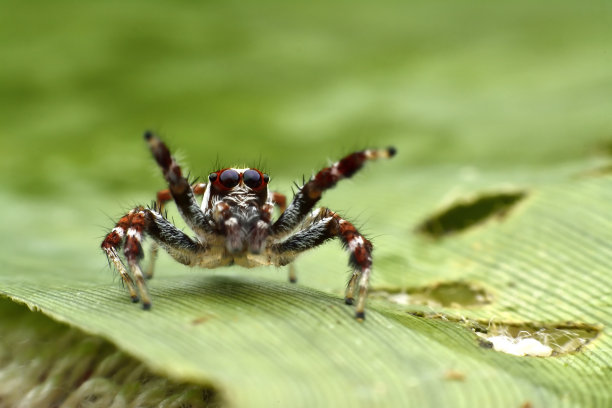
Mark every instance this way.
x=258 y=235
x=279 y=199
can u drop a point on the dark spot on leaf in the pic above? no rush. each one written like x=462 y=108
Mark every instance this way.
x=454 y=375
x=464 y=214
x=200 y=320
x=485 y=344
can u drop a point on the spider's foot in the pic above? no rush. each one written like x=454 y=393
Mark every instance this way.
x=292 y=274
x=145 y=299
x=134 y=298
x=148 y=273
x=374 y=154
x=360 y=316
x=348 y=300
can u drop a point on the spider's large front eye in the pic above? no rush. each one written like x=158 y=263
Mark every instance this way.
x=252 y=178
x=229 y=178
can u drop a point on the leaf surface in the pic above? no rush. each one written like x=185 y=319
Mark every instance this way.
x=247 y=331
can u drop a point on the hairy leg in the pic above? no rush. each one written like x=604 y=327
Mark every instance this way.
x=138 y=223
x=163 y=197
x=179 y=187
x=310 y=193
x=281 y=201
x=324 y=225
x=111 y=245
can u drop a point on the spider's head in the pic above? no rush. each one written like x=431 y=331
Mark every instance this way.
x=243 y=185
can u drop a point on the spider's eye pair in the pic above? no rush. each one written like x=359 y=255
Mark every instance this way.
x=230 y=178
x=252 y=178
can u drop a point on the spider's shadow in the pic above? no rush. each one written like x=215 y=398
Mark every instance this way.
x=234 y=289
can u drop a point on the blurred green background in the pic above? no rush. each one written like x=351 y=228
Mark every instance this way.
x=294 y=83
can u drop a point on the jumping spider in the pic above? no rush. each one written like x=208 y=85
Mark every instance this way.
x=234 y=224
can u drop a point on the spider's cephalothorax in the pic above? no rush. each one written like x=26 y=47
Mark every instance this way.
x=234 y=223
x=237 y=199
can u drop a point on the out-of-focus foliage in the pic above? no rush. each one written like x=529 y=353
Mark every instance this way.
x=294 y=83
x=45 y=364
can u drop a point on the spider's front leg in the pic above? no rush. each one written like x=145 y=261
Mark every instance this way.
x=163 y=197
x=325 y=224
x=180 y=189
x=311 y=192
x=130 y=231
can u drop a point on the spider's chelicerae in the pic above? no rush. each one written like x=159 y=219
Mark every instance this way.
x=234 y=224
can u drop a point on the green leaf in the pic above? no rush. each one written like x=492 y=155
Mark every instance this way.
x=244 y=332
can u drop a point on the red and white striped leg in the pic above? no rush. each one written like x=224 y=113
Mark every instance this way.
x=130 y=232
x=326 y=224
x=133 y=253
x=311 y=192
x=111 y=245
x=360 y=250
x=180 y=189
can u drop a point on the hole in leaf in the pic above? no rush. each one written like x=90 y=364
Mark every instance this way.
x=446 y=294
x=466 y=213
x=525 y=338
x=536 y=340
